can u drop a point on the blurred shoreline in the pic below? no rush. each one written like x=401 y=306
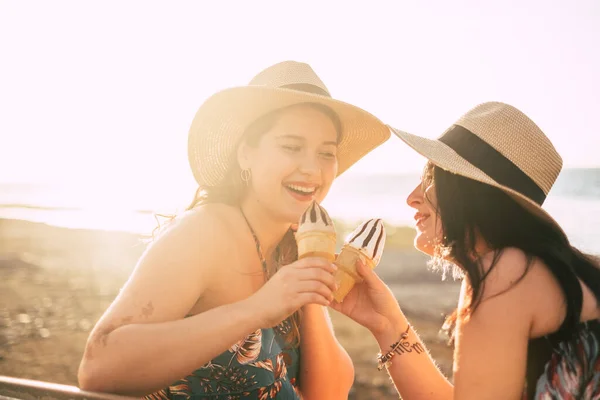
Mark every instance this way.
x=56 y=282
x=574 y=202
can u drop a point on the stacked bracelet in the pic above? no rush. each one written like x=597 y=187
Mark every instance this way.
x=400 y=347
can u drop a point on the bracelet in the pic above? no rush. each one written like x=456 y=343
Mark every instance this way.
x=400 y=347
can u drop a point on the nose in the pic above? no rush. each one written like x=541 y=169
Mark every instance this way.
x=310 y=166
x=415 y=198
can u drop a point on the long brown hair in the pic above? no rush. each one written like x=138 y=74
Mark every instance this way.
x=470 y=209
x=232 y=190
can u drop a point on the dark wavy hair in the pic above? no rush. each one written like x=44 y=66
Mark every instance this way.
x=232 y=190
x=469 y=209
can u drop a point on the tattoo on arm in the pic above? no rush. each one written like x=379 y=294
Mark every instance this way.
x=102 y=335
x=400 y=347
x=404 y=346
x=147 y=310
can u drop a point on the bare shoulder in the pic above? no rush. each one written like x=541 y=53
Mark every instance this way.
x=198 y=219
x=209 y=226
x=175 y=269
x=514 y=268
x=523 y=286
x=504 y=289
x=498 y=329
x=504 y=270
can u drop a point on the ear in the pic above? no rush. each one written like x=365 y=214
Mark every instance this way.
x=243 y=155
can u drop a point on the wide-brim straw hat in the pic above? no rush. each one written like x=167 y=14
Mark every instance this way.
x=222 y=120
x=499 y=145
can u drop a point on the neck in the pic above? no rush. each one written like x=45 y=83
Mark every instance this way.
x=267 y=228
x=481 y=250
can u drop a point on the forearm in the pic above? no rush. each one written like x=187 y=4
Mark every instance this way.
x=326 y=369
x=412 y=369
x=138 y=359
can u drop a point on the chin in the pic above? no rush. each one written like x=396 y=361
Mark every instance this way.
x=423 y=244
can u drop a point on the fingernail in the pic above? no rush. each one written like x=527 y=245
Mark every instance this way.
x=334 y=267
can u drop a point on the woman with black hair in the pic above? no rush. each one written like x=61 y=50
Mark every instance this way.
x=527 y=323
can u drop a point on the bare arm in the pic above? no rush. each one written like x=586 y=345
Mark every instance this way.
x=413 y=371
x=326 y=369
x=142 y=342
x=491 y=346
x=138 y=359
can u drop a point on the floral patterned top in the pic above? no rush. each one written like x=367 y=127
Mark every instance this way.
x=566 y=369
x=259 y=367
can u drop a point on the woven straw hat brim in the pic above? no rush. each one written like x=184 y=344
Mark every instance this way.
x=446 y=158
x=222 y=120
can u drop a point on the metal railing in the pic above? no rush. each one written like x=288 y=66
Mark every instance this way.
x=26 y=389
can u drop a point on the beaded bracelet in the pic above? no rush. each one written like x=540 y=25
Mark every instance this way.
x=385 y=360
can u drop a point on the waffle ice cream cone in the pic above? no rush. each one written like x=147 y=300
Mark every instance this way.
x=316 y=235
x=366 y=244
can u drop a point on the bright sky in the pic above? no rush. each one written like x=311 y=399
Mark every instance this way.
x=105 y=91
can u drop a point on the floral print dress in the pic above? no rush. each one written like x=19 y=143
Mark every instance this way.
x=259 y=367
x=567 y=369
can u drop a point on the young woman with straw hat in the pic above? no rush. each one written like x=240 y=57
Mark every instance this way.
x=527 y=323
x=219 y=305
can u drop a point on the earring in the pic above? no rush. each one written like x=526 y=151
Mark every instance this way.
x=246 y=174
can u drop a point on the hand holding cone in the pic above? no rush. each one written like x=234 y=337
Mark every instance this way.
x=365 y=243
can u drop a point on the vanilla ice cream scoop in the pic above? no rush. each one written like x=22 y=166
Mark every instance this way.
x=315 y=218
x=369 y=238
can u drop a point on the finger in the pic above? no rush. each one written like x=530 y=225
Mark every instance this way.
x=337 y=306
x=312 y=298
x=316 y=262
x=317 y=274
x=366 y=273
x=315 y=287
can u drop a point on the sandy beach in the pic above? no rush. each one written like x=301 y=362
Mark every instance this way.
x=56 y=282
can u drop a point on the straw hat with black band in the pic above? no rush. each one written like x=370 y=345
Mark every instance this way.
x=222 y=120
x=499 y=145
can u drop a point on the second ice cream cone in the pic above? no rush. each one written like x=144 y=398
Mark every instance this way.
x=346 y=276
x=365 y=243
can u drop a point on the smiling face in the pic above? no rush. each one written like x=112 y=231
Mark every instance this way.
x=294 y=162
x=428 y=222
